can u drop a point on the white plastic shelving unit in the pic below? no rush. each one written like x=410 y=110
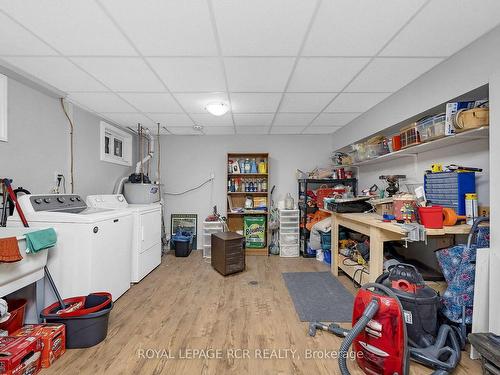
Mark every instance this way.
x=289 y=233
x=210 y=227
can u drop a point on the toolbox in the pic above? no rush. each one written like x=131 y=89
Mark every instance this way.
x=20 y=355
x=53 y=337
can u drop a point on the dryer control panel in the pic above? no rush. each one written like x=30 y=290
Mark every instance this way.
x=71 y=203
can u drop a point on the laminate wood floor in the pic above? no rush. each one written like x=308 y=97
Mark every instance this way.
x=184 y=309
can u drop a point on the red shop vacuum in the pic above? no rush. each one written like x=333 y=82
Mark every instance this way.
x=395 y=320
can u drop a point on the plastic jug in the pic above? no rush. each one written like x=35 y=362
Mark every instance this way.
x=262 y=167
x=289 y=202
x=253 y=166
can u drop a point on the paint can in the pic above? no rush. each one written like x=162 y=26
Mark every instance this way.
x=471 y=210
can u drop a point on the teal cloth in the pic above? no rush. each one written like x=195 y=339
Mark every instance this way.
x=40 y=240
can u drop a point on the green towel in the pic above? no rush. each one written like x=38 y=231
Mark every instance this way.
x=40 y=240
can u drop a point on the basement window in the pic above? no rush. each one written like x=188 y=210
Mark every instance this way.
x=116 y=145
x=3 y=108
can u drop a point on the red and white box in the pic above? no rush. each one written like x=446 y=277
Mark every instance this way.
x=20 y=355
x=53 y=337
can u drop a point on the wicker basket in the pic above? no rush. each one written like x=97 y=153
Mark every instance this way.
x=471 y=119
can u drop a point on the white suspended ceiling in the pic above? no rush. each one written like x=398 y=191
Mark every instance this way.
x=283 y=66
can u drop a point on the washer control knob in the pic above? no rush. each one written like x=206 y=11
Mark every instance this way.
x=38 y=201
x=78 y=199
x=120 y=198
x=61 y=199
x=47 y=200
x=72 y=199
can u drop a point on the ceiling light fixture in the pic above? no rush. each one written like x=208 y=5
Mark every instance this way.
x=217 y=108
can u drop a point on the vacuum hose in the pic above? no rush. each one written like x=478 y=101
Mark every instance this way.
x=368 y=314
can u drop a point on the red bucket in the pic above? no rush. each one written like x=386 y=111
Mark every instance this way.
x=431 y=217
x=17 y=308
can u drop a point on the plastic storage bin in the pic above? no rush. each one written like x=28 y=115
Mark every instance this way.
x=16 y=308
x=183 y=244
x=209 y=228
x=326 y=240
x=289 y=233
x=431 y=128
x=410 y=136
x=431 y=217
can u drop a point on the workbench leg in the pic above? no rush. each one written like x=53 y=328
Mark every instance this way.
x=334 y=232
x=376 y=254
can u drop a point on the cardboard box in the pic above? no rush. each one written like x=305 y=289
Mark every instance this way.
x=52 y=336
x=20 y=355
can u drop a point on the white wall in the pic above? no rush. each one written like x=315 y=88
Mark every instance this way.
x=188 y=160
x=38 y=145
x=495 y=204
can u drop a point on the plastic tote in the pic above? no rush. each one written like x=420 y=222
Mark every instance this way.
x=87 y=326
x=16 y=310
x=431 y=217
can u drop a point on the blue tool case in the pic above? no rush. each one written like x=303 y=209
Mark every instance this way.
x=448 y=189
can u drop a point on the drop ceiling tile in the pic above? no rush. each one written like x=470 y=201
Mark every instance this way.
x=293 y=119
x=56 y=71
x=207 y=119
x=255 y=102
x=171 y=119
x=267 y=27
x=355 y=102
x=121 y=73
x=182 y=130
x=305 y=102
x=166 y=28
x=287 y=130
x=258 y=73
x=444 y=27
x=16 y=40
x=101 y=102
x=357 y=27
x=218 y=130
x=391 y=74
x=72 y=27
x=188 y=74
x=334 y=119
x=328 y=74
x=253 y=119
x=321 y=129
x=196 y=102
x=252 y=129
x=153 y=102
x=129 y=119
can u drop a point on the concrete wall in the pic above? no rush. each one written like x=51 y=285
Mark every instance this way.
x=188 y=160
x=38 y=145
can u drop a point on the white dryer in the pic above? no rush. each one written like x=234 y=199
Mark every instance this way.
x=146 y=243
x=93 y=245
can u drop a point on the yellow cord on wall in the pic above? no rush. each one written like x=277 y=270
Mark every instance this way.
x=71 y=128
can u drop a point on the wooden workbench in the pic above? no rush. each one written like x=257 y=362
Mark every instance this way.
x=371 y=224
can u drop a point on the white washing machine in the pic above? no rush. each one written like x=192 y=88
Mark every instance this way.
x=146 y=243
x=93 y=245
